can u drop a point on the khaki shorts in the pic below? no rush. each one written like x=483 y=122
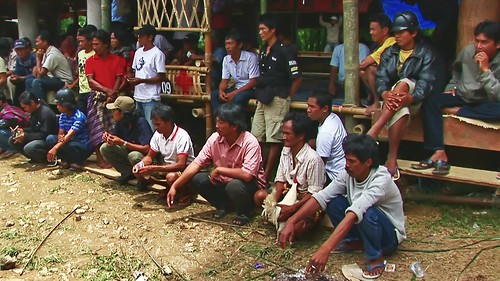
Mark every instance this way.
x=268 y=119
x=409 y=110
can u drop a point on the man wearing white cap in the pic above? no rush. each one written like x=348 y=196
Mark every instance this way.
x=332 y=31
x=128 y=143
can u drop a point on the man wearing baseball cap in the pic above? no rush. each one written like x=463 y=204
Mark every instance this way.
x=128 y=142
x=25 y=62
x=149 y=72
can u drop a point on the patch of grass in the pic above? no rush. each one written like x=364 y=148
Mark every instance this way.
x=56 y=189
x=49 y=260
x=10 y=251
x=9 y=234
x=114 y=266
x=467 y=220
x=83 y=177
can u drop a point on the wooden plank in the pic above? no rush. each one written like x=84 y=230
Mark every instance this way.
x=456 y=133
x=457 y=174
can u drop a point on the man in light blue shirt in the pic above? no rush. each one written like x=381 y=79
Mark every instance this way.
x=243 y=68
x=337 y=73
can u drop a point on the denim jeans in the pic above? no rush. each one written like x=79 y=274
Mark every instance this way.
x=4 y=141
x=240 y=99
x=35 y=150
x=375 y=230
x=433 y=118
x=40 y=86
x=71 y=152
x=235 y=194
x=146 y=108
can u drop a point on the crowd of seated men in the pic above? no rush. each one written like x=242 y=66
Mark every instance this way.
x=110 y=105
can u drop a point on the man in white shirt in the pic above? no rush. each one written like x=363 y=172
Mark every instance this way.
x=243 y=68
x=149 y=68
x=364 y=205
x=331 y=134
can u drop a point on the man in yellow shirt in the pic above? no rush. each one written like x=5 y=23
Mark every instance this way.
x=380 y=31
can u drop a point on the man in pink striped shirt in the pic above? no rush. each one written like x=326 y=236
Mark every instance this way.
x=238 y=172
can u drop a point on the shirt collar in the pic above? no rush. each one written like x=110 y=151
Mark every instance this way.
x=301 y=155
x=174 y=133
x=238 y=142
x=243 y=56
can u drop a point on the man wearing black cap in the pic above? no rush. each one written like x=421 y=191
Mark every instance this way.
x=409 y=71
x=149 y=69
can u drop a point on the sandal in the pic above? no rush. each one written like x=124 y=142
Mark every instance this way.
x=241 y=220
x=344 y=247
x=441 y=168
x=498 y=176
x=219 y=214
x=370 y=268
x=424 y=165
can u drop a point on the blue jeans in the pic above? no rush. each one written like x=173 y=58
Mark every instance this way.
x=4 y=141
x=375 y=230
x=40 y=86
x=146 y=108
x=36 y=150
x=240 y=99
x=72 y=152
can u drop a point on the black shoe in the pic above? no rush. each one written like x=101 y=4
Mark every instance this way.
x=124 y=178
x=141 y=186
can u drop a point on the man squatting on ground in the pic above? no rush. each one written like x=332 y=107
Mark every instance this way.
x=128 y=142
x=237 y=160
x=174 y=145
x=43 y=122
x=300 y=164
x=364 y=205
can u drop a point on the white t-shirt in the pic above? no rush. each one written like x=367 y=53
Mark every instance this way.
x=331 y=134
x=178 y=143
x=147 y=65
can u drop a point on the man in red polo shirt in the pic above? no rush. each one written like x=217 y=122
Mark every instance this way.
x=105 y=72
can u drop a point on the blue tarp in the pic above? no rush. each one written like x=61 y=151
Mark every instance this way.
x=392 y=7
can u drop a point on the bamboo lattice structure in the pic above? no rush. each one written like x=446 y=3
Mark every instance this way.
x=175 y=15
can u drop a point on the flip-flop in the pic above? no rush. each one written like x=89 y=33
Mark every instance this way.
x=241 y=220
x=342 y=248
x=441 y=168
x=370 y=268
x=423 y=165
x=219 y=214
x=498 y=176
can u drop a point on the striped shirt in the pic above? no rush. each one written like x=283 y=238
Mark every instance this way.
x=77 y=123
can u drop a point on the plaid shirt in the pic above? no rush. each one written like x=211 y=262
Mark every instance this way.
x=15 y=115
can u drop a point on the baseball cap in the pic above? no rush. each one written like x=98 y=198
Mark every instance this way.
x=20 y=43
x=146 y=29
x=334 y=18
x=123 y=103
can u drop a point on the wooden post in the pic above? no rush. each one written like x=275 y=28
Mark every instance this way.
x=472 y=12
x=263 y=7
x=27 y=16
x=351 y=57
x=208 y=82
x=106 y=14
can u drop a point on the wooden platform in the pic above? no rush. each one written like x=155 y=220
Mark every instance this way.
x=457 y=174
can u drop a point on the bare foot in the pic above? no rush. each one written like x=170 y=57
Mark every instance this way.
x=372 y=108
x=349 y=246
x=104 y=165
x=450 y=110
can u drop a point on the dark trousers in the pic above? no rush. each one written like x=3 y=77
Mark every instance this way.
x=235 y=194
x=375 y=230
x=433 y=118
x=240 y=99
x=71 y=152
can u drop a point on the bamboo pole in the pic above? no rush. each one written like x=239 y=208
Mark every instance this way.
x=208 y=80
x=351 y=57
x=106 y=14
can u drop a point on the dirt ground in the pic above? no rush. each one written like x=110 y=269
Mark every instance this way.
x=103 y=241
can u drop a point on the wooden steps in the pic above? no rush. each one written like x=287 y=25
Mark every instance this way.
x=457 y=174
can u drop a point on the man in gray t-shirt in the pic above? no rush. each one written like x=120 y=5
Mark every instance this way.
x=51 y=71
x=364 y=205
